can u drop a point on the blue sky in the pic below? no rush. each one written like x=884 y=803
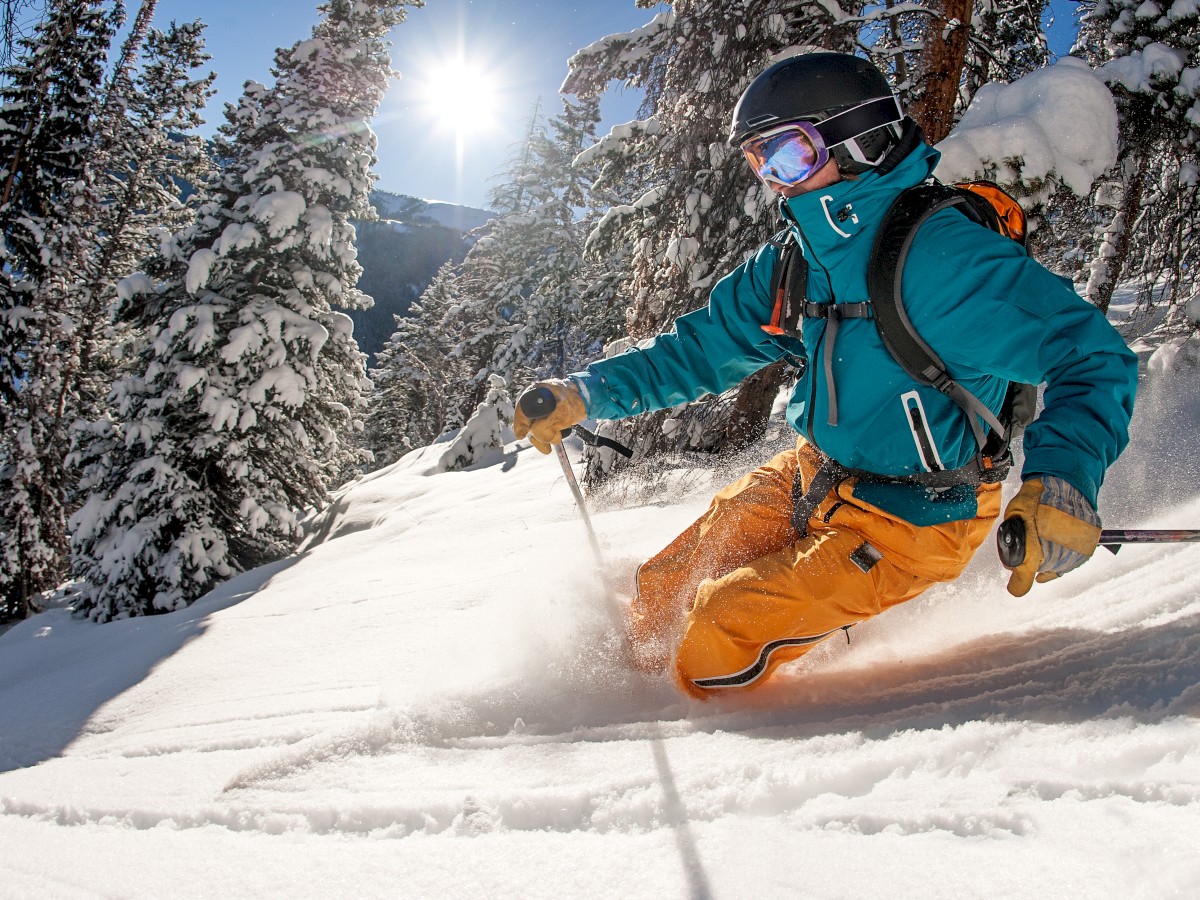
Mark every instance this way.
x=520 y=48
x=517 y=49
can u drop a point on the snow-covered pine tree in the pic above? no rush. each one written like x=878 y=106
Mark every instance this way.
x=941 y=52
x=500 y=274
x=561 y=323
x=1007 y=41
x=597 y=311
x=129 y=170
x=412 y=399
x=938 y=53
x=151 y=169
x=94 y=221
x=434 y=370
x=243 y=409
x=47 y=108
x=1150 y=56
x=482 y=438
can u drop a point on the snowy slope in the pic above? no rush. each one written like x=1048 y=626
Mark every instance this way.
x=427 y=702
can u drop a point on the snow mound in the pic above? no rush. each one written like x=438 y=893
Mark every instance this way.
x=1059 y=121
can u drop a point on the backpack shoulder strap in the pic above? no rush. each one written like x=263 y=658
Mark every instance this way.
x=788 y=286
x=885 y=274
x=786 y=242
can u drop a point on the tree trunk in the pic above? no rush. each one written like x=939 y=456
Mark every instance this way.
x=942 y=62
x=1110 y=259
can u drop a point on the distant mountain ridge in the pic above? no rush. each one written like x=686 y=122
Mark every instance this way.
x=417 y=211
x=400 y=254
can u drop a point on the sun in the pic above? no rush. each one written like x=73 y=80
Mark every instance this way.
x=461 y=97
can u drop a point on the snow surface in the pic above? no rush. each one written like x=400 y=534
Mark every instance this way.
x=428 y=701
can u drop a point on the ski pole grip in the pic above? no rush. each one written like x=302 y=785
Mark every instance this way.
x=1010 y=542
x=537 y=403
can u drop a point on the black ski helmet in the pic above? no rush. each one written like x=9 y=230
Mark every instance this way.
x=813 y=87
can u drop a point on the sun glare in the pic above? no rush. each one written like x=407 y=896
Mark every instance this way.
x=461 y=97
x=460 y=104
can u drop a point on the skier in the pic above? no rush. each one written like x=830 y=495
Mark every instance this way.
x=888 y=490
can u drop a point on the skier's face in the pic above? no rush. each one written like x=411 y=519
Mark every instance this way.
x=822 y=178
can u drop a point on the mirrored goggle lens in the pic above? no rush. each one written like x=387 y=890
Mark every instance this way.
x=787 y=156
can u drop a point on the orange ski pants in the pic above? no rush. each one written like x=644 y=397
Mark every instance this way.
x=739 y=593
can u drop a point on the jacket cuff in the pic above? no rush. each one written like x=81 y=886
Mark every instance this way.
x=587 y=384
x=1065 y=465
x=601 y=397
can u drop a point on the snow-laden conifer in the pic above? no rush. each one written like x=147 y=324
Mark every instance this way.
x=152 y=168
x=1149 y=53
x=414 y=396
x=133 y=159
x=550 y=323
x=245 y=402
x=483 y=437
x=48 y=103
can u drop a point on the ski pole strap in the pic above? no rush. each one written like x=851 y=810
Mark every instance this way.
x=537 y=403
x=596 y=440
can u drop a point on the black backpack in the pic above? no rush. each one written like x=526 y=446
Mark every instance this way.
x=981 y=202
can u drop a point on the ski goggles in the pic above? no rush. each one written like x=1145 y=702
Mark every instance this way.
x=791 y=153
x=786 y=155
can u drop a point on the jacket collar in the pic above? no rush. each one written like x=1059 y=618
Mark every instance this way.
x=829 y=218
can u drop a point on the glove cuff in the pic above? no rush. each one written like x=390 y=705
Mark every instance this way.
x=1060 y=494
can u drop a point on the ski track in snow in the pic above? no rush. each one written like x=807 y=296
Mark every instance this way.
x=439 y=664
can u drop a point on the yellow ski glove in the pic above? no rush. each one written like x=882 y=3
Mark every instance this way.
x=568 y=409
x=1062 y=531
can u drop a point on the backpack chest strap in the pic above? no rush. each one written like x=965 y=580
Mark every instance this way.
x=833 y=313
x=836 y=311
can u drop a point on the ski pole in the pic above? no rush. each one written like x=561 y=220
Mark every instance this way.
x=1010 y=539
x=537 y=404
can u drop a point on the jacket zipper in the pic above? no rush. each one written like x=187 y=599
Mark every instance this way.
x=927 y=452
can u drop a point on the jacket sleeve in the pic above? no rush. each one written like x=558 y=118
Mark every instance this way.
x=1004 y=314
x=708 y=351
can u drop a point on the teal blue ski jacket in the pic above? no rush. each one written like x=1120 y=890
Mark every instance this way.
x=990 y=311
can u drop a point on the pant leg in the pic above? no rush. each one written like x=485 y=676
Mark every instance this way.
x=740 y=593
x=746 y=623
x=774 y=609
x=746 y=520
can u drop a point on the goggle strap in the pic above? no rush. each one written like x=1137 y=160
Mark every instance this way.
x=859 y=120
